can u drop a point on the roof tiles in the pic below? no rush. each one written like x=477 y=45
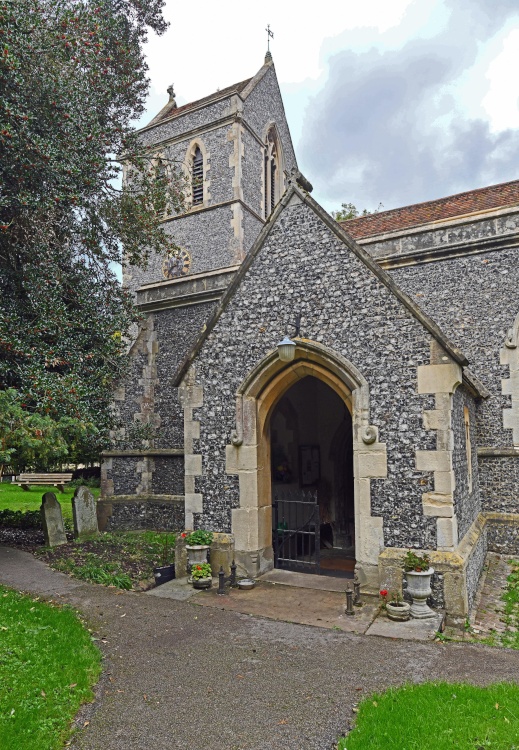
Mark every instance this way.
x=170 y=111
x=473 y=201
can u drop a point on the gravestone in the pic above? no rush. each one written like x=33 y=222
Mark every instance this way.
x=52 y=520
x=84 y=514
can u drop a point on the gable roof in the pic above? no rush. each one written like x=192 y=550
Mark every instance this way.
x=461 y=204
x=293 y=190
x=170 y=110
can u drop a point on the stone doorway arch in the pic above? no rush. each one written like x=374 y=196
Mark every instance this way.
x=248 y=456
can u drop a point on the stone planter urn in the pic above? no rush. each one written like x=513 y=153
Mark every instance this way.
x=398 y=611
x=196 y=554
x=419 y=587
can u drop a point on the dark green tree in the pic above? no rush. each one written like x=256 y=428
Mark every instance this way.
x=72 y=81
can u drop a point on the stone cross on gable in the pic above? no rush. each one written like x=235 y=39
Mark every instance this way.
x=171 y=92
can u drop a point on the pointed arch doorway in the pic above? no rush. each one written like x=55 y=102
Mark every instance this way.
x=249 y=454
x=312 y=486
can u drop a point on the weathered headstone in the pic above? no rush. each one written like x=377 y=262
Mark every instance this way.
x=52 y=520
x=84 y=514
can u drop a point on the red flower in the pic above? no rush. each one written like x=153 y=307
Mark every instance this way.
x=383 y=593
x=183 y=535
x=198 y=567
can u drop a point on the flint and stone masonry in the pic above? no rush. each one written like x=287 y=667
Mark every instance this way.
x=410 y=317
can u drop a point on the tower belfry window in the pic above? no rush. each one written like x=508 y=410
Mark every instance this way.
x=197 y=178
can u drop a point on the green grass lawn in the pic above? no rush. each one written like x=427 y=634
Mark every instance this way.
x=13 y=497
x=438 y=716
x=48 y=665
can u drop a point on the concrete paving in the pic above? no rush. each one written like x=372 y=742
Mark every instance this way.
x=305 y=599
x=320 y=608
x=412 y=630
x=178 y=675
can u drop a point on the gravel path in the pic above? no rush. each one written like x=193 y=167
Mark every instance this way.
x=182 y=676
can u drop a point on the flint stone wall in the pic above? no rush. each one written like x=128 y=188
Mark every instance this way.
x=121 y=477
x=345 y=307
x=499 y=481
x=503 y=535
x=206 y=235
x=474 y=300
x=263 y=106
x=146 y=513
x=168 y=475
x=177 y=330
x=186 y=122
x=252 y=167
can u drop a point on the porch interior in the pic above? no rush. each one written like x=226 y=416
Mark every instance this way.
x=312 y=461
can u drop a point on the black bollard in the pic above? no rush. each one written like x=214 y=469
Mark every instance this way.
x=233 y=573
x=349 y=602
x=221 y=581
x=356 y=593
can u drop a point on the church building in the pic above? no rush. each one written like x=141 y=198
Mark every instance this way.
x=330 y=395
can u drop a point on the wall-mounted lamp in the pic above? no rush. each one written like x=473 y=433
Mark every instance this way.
x=287 y=347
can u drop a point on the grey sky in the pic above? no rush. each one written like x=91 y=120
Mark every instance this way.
x=387 y=125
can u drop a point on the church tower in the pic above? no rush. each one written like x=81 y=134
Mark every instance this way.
x=235 y=152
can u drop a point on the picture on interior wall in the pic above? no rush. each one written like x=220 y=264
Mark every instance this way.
x=310 y=464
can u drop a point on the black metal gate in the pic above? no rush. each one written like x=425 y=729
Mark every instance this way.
x=296 y=529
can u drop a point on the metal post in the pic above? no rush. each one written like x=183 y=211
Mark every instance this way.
x=221 y=581
x=349 y=602
x=356 y=595
x=233 y=573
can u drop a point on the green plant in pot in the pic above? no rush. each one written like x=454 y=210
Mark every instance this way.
x=416 y=562
x=197 y=546
x=198 y=538
x=418 y=573
x=201 y=576
x=166 y=570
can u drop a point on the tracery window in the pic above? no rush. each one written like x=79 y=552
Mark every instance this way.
x=197 y=178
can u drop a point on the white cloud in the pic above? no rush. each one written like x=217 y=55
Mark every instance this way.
x=332 y=63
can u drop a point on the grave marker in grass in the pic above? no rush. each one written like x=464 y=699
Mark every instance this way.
x=52 y=520
x=84 y=514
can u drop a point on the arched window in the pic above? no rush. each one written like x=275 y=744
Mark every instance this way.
x=197 y=178
x=273 y=173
